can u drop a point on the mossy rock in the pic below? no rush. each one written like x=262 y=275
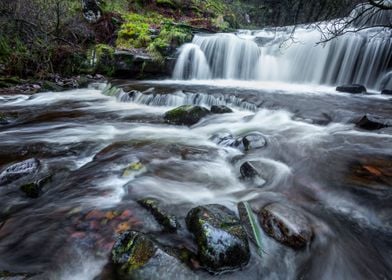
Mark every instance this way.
x=51 y=86
x=167 y=4
x=131 y=251
x=186 y=115
x=137 y=256
x=168 y=221
x=221 y=239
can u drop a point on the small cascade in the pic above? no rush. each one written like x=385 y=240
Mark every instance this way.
x=293 y=56
x=180 y=98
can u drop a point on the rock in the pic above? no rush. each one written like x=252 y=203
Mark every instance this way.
x=224 y=139
x=386 y=92
x=136 y=256
x=354 y=88
x=91 y=10
x=369 y=122
x=6 y=275
x=50 y=86
x=253 y=170
x=19 y=170
x=168 y=221
x=286 y=225
x=186 y=115
x=221 y=239
x=254 y=140
x=220 y=109
x=34 y=189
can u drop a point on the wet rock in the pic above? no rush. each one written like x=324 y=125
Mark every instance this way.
x=386 y=92
x=369 y=122
x=6 y=275
x=51 y=86
x=253 y=170
x=220 y=109
x=286 y=225
x=186 y=115
x=34 y=189
x=221 y=239
x=223 y=139
x=373 y=172
x=19 y=170
x=254 y=140
x=168 y=221
x=136 y=256
x=354 y=88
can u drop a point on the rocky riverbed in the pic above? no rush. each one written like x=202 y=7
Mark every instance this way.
x=168 y=180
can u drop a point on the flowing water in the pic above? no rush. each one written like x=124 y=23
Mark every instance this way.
x=85 y=139
x=295 y=55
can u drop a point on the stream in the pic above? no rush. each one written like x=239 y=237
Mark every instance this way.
x=316 y=159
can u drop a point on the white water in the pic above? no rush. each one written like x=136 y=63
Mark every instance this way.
x=281 y=55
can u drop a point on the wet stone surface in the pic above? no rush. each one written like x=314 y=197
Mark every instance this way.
x=221 y=239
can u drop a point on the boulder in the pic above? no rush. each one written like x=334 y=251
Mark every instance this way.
x=220 y=109
x=386 y=92
x=186 y=115
x=19 y=170
x=286 y=225
x=168 y=221
x=369 y=122
x=221 y=239
x=354 y=88
x=254 y=140
x=137 y=256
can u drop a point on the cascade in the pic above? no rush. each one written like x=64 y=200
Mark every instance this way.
x=291 y=55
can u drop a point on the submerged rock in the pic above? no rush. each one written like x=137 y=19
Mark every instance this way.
x=221 y=239
x=34 y=189
x=186 y=115
x=354 y=88
x=254 y=140
x=224 y=139
x=220 y=109
x=136 y=256
x=369 y=122
x=168 y=221
x=286 y=225
x=19 y=170
x=253 y=170
x=386 y=92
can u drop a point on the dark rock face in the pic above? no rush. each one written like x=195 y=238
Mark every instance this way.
x=386 y=92
x=286 y=225
x=186 y=115
x=168 y=221
x=19 y=170
x=355 y=89
x=254 y=140
x=136 y=256
x=371 y=123
x=220 y=109
x=221 y=239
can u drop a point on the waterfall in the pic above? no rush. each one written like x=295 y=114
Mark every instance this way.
x=292 y=55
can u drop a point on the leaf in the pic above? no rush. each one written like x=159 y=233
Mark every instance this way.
x=256 y=229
